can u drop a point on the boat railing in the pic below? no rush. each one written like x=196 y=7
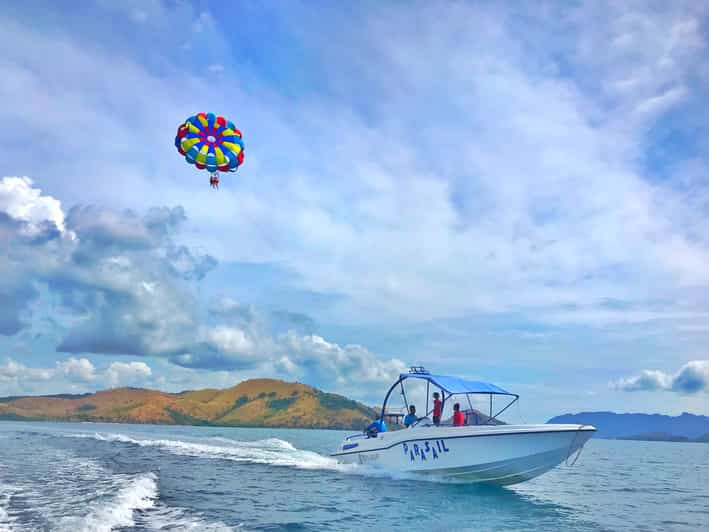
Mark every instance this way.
x=358 y=436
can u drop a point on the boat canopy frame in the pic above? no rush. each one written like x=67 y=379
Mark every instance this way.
x=450 y=385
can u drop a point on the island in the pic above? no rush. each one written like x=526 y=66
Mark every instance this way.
x=252 y=403
x=647 y=427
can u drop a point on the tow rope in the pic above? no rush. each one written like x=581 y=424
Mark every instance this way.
x=571 y=446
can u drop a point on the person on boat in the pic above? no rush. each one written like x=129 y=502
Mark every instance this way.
x=458 y=417
x=411 y=417
x=437 y=409
x=376 y=427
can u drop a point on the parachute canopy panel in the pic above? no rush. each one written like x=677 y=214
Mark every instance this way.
x=210 y=142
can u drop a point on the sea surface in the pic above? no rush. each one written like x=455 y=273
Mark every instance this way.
x=92 y=477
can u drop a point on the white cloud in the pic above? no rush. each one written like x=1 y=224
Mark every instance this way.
x=127 y=373
x=351 y=367
x=230 y=339
x=12 y=370
x=598 y=316
x=23 y=201
x=119 y=277
x=691 y=378
x=77 y=369
x=117 y=281
x=661 y=102
x=273 y=344
x=647 y=380
x=75 y=374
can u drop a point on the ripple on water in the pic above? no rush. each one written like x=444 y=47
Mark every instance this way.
x=67 y=493
x=183 y=478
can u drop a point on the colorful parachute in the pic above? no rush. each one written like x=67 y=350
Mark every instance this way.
x=211 y=143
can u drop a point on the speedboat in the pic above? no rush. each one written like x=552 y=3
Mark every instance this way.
x=483 y=449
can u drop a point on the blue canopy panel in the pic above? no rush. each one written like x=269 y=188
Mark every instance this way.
x=456 y=385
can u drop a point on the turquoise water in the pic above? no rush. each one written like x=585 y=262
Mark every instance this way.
x=63 y=476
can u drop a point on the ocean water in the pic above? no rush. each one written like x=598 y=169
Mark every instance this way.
x=96 y=477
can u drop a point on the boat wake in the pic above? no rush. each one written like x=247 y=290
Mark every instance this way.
x=79 y=495
x=137 y=504
x=135 y=494
x=271 y=451
x=7 y=522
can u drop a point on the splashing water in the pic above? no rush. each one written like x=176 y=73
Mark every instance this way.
x=270 y=451
x=137 y=493
x=67 y=493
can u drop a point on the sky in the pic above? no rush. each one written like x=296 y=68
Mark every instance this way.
x=510 y=192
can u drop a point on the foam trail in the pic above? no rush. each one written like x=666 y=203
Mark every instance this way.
x=178 y=519
x=138 y=493
x=6 y=493
x=271 y=451
x=268 y=442
x=64 y=492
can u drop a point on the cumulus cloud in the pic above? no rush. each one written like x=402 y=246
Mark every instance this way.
x=647 y=380
x=691 y=378
x=282 y=344
x=315 y=358
x=12 y=370
x=72 y=373
x=229 y=340
x=22 y=201
x=120 y=281
x=127 y=373
x=76 y=369
x=118 y=275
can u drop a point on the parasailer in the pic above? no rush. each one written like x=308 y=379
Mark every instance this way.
x=210 y=142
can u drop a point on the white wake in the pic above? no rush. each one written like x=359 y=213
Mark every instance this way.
x=75 y=494
x=136 y=493
x=271 y=451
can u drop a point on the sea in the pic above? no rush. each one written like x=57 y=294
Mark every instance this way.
x=101 y=477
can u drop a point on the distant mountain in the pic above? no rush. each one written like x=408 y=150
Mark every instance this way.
x=641 y=426
x=655 y=436
x=256 y=403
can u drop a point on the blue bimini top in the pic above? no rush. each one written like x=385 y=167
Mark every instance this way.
x=456 y=385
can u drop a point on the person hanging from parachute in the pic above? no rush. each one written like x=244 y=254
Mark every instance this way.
x=210 y=142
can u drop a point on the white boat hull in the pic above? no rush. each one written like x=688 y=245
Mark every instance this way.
x=501 y=454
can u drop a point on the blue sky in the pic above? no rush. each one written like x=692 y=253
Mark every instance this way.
x=510 y=192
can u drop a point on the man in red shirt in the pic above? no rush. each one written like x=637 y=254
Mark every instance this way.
x=437 y=409
x=458 y=417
